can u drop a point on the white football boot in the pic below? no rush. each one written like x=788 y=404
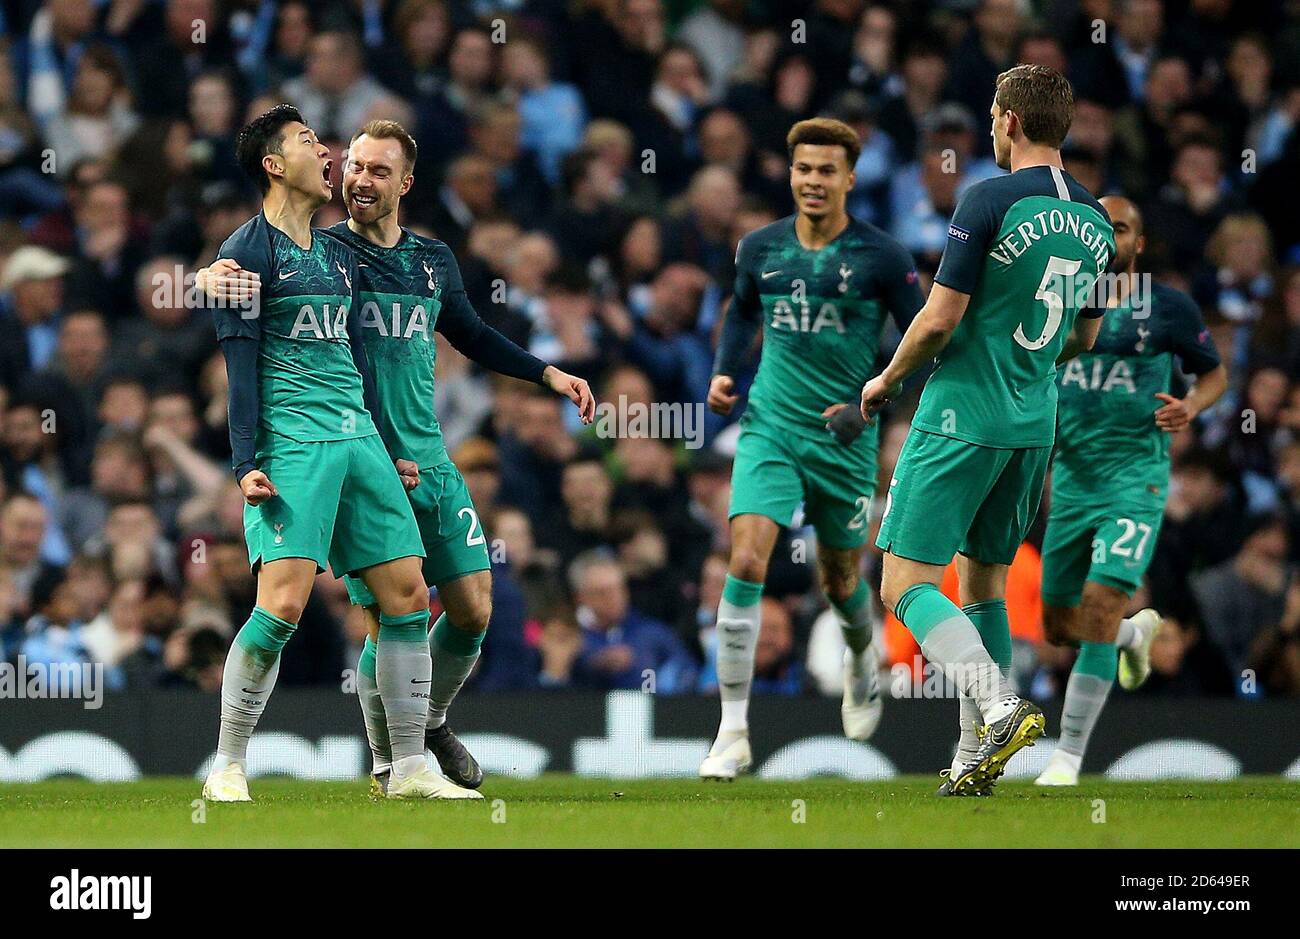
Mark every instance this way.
x=727 y=760
x=1135 y=662
x=1062 y=769
x=424 y=783
x=862 y=706
x=227 y=785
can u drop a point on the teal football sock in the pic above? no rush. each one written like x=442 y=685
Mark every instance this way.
x=252 y=665
x=454 y=653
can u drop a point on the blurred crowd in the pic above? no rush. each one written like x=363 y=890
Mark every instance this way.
x=593 y=165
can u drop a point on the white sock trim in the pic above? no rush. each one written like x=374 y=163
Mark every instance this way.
x=735 y=716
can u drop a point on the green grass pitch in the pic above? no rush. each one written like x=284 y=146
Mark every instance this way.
x=565 y=811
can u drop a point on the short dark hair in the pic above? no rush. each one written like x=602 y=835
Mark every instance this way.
x=574 y=168
x=825 y=131
x=392 y=130
x=1043 y=100
x=262 y=135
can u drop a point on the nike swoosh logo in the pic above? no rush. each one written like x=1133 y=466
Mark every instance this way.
x=767 y=274
x=285 y=275
x=250 y=690
x=416 y=681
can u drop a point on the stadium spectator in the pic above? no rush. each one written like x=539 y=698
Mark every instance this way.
x=924 y=72
x=715 y=32
x=168 y=341
x=1275 y=653
x=32 y=296
x=168 y=55
x=413 y=60
x=988 y=50
x=552 y=114
x=22 y=532
x=587 y=493
x=702 y=236
x=97 y=116
x=1239 y=596
x=495 y=134
x=335 y=94
x=621 y=646
x=587 y=223
x=109 y=247
x=469 y=193
x=537 y=571
x=1193 y=203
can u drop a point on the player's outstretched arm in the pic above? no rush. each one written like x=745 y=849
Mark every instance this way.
x=924 y=339
x=480 y=343
x=572 y=387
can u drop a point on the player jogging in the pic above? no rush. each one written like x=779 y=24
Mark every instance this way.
x=819 y=284
x=410 y=286
x=1109 y=480
x=320 y=488
x=1022 y=254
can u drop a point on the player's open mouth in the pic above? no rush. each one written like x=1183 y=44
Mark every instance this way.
x=364 y=201
x=325 y=171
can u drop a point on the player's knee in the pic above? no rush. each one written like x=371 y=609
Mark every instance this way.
x=1057 y=625
x=839 y=584
x=892 y=587
x=476 y=615
x=1096 y=625
x=407 y=596
x=284 y=604
x=748 y=564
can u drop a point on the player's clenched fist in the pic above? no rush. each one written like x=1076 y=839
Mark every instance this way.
x=408 y=471
x=876 y=393
x=256 y=487
x=721 y=400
